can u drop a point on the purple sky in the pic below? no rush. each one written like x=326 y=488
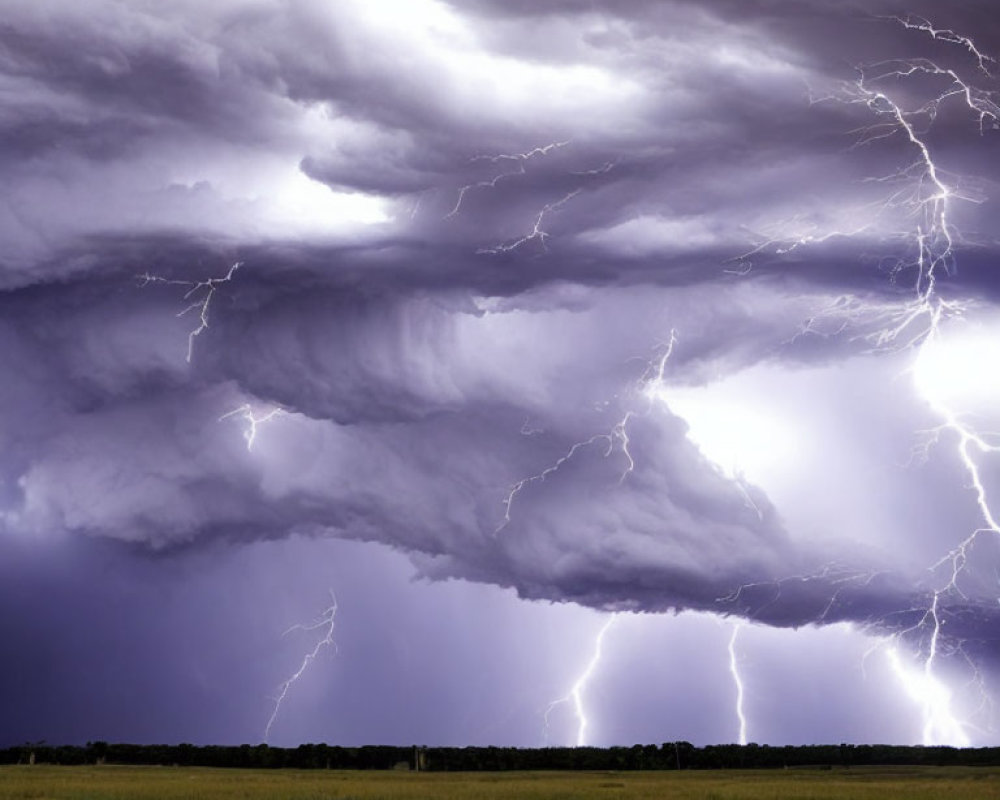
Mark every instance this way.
x=660 y=331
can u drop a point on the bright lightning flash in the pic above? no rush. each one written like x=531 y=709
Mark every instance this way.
x=575 y=694
x=925 y=192
x=935 y=239
x=246 y=413
x=648 y=387
x=324 y=622
x=934 y=698
x=734 y=670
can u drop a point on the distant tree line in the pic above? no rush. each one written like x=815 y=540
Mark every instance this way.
x=667 y=756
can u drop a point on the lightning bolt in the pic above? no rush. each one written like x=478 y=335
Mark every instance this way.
x=517 y=160
x=648 y=387
x=246 y=413
x=935 y=240
x=537 y=233
x=575 y=695
x=200 y=293
x=518 y=163
x=325 y=622
x=934 y=699
x=604 y=169
x=925 y=193
x=915 y=23
x=734 y=670
x=508 y=501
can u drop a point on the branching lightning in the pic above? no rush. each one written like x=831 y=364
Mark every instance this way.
x=246 y=413
x=933 y=697
x=517 y=160
x=324 y=622
x=575 y=694
x=921 y=193
x=607 y=438
x=648 y=387
x=518 y=166
x=913 y=22
x=935 y=240
x=200 y=293
x=924 y=192
x=538 y=233
x=617 y=437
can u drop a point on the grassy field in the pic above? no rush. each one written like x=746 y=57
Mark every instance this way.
x=174 y=783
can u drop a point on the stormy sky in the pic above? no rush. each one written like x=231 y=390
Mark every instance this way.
x=664 y=332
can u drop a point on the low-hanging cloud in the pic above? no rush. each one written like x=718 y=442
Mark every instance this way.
x=464 y=251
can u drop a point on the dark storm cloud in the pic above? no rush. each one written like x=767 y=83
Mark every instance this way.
x=382 y=443
x=557 y=191
x=687 y=123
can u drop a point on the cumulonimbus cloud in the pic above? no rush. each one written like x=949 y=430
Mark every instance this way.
x=463 y=250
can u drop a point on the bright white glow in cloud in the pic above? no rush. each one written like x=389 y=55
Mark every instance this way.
x=300 y=201
x=466 y=72
x=734 y=426
x=957 y=369
x=645 y=235
x=940 y=724
x=277 y=198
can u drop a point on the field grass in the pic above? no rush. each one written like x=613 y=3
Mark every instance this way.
x=41 y=782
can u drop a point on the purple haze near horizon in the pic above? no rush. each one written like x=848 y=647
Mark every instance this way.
x=542 y=312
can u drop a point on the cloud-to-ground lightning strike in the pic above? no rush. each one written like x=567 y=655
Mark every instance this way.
x=926 y=194
x=647 y=387
x=922 y=191
x=324 y=622
x=734 y=670
x=935 y=240
x=934 y=699
x=246 y=413
x=203 y=291
x=575 y=694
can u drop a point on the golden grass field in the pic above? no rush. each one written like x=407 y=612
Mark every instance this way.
x=41 y=782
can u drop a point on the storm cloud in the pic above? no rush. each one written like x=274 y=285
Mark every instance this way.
x=480 y=245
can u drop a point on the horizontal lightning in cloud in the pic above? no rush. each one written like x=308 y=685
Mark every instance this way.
x=200 y=293
x=915 y=23
x=517 y=160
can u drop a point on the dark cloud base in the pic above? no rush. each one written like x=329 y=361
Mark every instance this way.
x=464 y=374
